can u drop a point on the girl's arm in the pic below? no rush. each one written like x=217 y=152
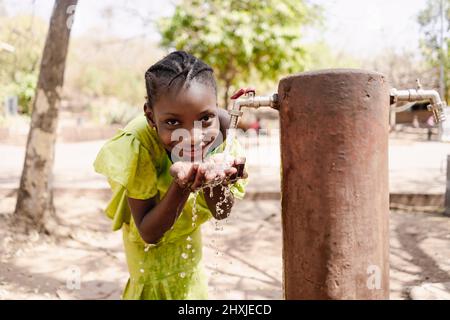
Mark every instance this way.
x=220 y=202
x=224 y=207
x=222 y=210
x=153 y=219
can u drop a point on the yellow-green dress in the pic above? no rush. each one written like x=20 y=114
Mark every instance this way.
x=137 y=166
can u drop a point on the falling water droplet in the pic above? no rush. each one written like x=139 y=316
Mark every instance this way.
x=141 y=270
x=182 y=274
x=184 y=255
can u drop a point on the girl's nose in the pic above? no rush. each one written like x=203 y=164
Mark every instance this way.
x=197 y=136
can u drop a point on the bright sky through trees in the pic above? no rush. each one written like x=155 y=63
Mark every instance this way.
x=361 y=28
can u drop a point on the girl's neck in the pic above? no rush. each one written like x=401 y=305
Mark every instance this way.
x=169 y=155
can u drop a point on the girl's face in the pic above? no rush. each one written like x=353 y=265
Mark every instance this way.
x=187 y=122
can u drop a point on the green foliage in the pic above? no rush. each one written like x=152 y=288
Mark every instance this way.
x=325 y=57
x=242 y=39
x=19 y=69
x=24 y=88
x=430 y=22
x=112 y=111
x=112 y=67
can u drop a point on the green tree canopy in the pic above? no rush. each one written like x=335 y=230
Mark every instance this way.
x=19 y=67
x=242 y=39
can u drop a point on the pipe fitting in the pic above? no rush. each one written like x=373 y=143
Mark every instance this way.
x=245 y=97
x=412 y=95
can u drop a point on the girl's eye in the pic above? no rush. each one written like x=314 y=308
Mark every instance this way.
x=172 y=122
x=207 y=118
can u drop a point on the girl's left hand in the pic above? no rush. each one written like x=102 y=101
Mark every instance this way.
x=239 y=164
x=213 y=170
x=216 y=168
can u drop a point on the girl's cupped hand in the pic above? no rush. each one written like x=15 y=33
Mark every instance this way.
x=213 y=170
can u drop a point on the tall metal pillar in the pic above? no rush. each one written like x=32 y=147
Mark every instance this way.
x=335 y=194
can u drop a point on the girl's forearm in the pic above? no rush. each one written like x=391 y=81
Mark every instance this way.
x=163 y=215
x=219 y=196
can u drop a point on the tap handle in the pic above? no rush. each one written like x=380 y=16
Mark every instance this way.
x=242 y=91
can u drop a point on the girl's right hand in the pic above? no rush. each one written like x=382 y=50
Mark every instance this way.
x=184 y=173
x=192 y=176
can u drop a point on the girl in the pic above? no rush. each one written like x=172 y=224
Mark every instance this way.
x=158 y=202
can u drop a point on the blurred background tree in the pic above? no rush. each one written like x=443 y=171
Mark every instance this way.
x=403 y=68
x=435 y=24
x=321 y=56
x=99 y=67
x=24 y=36
x=244 y=41
x=34 y=207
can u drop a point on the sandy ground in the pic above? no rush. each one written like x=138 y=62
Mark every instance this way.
x=242 y=257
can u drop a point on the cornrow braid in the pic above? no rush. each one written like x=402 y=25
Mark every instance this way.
x=175 y=71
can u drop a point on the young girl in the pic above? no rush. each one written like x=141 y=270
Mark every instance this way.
x=158 y=202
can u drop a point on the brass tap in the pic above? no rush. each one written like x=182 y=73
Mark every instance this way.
x=245 y=97
x=436 y=105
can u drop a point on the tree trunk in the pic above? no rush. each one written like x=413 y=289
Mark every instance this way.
x=34 y=207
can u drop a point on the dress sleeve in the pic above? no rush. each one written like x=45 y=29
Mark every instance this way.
x=124 y=160
x=130 y=172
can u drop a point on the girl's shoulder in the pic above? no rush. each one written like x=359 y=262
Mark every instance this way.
x=137 y=145
x=133 y=160
x=141 y=130
x=144 y=135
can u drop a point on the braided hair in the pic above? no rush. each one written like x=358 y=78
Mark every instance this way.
x=175 y=71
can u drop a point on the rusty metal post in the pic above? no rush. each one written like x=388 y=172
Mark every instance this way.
x=335 y=195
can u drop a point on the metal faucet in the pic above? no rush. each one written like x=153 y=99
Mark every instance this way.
x=411 y=95
x=245 y=97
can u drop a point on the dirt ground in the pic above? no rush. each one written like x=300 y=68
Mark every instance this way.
x=242 y=255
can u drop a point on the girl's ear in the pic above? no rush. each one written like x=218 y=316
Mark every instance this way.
x=149 y=115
